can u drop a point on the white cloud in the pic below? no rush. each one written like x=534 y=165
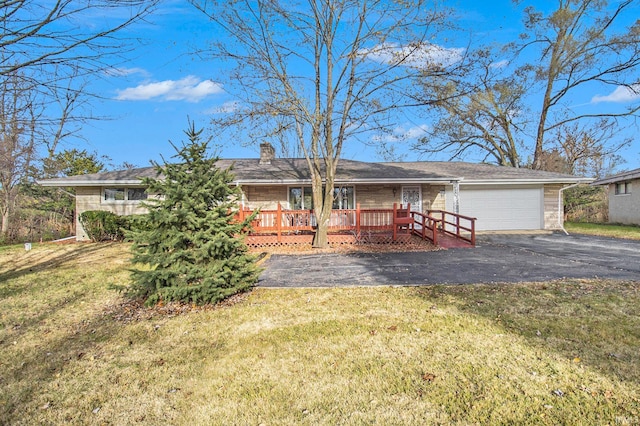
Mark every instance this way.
x=500 y=64
x=123 y=72
x=416 y=132
x=621 y=94
x=420 y=56
x=402 y=134
x=190 y=89
x=225 y=108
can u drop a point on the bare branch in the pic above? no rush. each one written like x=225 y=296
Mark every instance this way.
x=321 y=71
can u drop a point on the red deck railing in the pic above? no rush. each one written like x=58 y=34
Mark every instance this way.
x=455 y=225
x=363 y=223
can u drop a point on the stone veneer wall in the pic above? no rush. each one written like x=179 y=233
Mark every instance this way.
x=265 y=197
x=381 y=196
x=369 y=196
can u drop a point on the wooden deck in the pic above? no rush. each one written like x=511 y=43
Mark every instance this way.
x=361 y=226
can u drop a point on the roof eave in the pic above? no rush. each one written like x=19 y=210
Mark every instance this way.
x=263 y=182
x=85 y=183
x=618 y=178
x=508 y=181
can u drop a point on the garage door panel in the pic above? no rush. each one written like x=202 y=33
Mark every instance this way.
x=503 y=208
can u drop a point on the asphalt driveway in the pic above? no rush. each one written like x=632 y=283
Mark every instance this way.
x=497 y=258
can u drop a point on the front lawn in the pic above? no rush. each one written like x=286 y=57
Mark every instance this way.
x=604 y=230
x=72 y=351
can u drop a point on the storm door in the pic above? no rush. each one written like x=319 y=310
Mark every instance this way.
x=413 y=195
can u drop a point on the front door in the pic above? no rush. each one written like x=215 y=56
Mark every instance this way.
x=412 y=195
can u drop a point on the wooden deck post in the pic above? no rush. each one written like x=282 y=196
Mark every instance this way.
x=357 y=219
x=395 y=214
x=473 y=233
x=435 y=233
x=279 y=223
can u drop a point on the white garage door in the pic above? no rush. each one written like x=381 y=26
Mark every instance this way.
x=505 y=208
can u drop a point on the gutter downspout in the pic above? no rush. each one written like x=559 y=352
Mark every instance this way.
x=560 y=206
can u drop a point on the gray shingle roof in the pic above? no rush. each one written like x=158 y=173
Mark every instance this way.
x=478 y=172
x=620 y=177
x=295 y=170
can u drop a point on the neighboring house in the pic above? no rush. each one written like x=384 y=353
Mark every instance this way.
x=501 y=198
x=624 y=197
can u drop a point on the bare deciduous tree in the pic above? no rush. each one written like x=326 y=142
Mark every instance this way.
x=508 y=110
x=485 y=116
x=318 y=74
x=48 y=50
x=17 y=141
x=578 y=46
x=79 y=32
x=590 y=151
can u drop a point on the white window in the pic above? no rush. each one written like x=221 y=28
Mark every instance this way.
x=300 y=198
x=623 y=188
x=113 y=195
x=343 y=198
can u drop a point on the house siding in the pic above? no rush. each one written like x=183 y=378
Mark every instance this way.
x=368 y=196
x=376 y=196
x=265 y=197
x=381 y=196
x=625 y=208
x=552 y=220
x=433 y=197
x=90 y=198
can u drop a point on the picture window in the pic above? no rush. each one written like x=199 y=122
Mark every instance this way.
x=301 y=198
x=123 y=194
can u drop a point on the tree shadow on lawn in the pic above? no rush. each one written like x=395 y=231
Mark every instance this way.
x=90 y=353
x=27 y=380
x=593 y=322
x=25 y=263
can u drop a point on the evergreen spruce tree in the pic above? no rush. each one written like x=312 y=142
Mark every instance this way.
x=189 y=247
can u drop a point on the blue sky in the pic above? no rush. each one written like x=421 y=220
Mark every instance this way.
x=149 y=97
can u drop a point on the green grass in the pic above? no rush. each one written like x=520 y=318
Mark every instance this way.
x=604 y=230
x=71 y=352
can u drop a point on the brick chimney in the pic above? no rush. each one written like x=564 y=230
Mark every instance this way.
x=267 y=153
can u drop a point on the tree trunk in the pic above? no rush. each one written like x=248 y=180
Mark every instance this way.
x=321 y=239
x=552 y=71
x=4 y=231
x=323 y=216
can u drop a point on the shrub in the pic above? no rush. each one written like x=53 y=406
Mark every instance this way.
x=101 y=225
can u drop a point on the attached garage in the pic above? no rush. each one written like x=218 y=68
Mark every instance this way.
x=501 y=208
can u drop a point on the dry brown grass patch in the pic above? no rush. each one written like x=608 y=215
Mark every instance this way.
x=72 y=351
